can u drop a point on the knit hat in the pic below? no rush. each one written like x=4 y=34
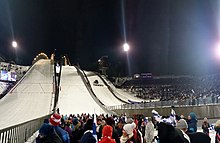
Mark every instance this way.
x=129 y=128
x=55 y=119
x=181 y=124
x=107 y=131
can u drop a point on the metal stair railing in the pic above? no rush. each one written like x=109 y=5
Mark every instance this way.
x=21 y=132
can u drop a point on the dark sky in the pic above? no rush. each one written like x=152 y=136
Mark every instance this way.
x=166 y=36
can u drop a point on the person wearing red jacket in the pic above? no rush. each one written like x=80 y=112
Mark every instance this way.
x=107 y=135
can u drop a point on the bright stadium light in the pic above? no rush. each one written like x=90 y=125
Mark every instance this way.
x=14 y=44
x=126 y=47
x=217 y=51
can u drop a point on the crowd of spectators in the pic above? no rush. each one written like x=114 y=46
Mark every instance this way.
x=111 y=129
x=175 y=88
x=17 y=70
x=86 y=128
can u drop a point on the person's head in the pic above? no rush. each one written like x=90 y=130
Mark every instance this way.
x=110 y=121
x=103 y=123
x=149 y=119
x=128 y=129
x=75 y=121
x=182 y=116
x=99 y=121
x=205 y=119
x=55 y=119
x=192 y=116
x=181 y=124
x=45 y=130
x=120 y=125
x=217 y=126
x=89 y=124
x=107 y=131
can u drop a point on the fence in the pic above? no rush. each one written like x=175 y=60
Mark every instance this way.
x=21 y=132
x=188 y=102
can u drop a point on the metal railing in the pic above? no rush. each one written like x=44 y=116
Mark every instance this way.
x=210 y=100
x=21 y=132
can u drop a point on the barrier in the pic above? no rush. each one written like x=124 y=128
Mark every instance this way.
x=21 y=132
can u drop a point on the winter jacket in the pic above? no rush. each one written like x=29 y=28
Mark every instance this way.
x=47 y=134
x=149 y=132
x=62 y=134
x=192 y=123
x=205 y=127
x=192 y=126
x=88 y=137
x=107 y=140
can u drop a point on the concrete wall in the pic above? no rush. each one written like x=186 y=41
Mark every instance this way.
x=209 y=111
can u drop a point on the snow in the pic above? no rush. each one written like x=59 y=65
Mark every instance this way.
x=74 y=96
x=102 y=91
x=31 y=98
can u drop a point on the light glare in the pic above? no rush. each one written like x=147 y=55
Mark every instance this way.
x=14 y=44
x=126 y=47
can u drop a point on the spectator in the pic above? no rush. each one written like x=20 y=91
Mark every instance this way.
x=110 y=121
x=217 y=129
x=55 y=120
x=88 y=136
x=119 y=128
x=47 y=134
x=149 y=131
x=77 y=130
x=101 y=124
x=192 y=123
x=205 y=126
x=107 y=135
x=182 y=125
x=128 y=136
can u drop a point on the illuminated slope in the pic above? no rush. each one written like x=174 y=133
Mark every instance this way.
x=30 y=98
x=74 y=96
x=102 y=91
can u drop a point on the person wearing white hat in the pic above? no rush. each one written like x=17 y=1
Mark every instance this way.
x=127 y=135
x=183 y=126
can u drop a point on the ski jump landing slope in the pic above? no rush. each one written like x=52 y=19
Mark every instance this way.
x=125 y=96
x=74 y=98
x=102 y=91
x=30 y=98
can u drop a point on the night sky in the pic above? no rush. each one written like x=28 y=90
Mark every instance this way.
x=165 y=36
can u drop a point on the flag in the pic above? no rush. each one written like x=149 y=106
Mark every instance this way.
x=173 y=117
x=94 y=128
x=212 y=127
x=170 y=120
x=157 y=117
